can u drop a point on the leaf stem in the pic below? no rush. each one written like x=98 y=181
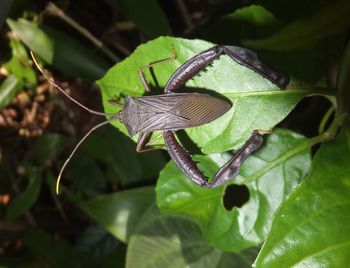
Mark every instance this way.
x=56 y=11
x=324 y=91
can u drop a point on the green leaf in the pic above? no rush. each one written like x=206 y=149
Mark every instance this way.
x=87 y=176
x=119 y=213
x=147 y=15
x=255 y=22
x=269 y=175
x=311 y=228
x=19 y=65
x=303 y=33
x=24 y=201
x=49 y=146
x=8 y=89
x=176 y=241
x=123 y=163
x=248 y=22
x=57 y=252
x=60 y=50
x=256 y=102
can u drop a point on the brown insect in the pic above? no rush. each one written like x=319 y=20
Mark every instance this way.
x=173 y=111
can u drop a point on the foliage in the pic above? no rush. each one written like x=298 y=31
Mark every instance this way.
x=287 y=207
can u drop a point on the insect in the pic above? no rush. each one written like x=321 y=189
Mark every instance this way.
x=171 y=111
x=189 y=69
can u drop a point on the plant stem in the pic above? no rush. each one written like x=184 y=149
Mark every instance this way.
x=330 y=133
x=342 y=99
x=56 y=11
x=325 y=119
x=343 y=83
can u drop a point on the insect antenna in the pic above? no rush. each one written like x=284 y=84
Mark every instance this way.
x=116 y=116
x=76 y=148
x=52 y=82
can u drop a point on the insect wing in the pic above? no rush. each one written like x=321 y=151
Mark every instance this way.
x=178 y=111
x=200 y=109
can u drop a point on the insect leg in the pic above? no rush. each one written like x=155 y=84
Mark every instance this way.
x=243 y=56
x=142 y=143
x=183 y=160
x=142 y=73
x=232 y=167
x=228 y=171
x=116 y=101
x=250 y=59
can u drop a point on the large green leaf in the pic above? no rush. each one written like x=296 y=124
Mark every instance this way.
x=119 y=213
x=256 y=102
x=176 y=241
x=311 y=229
x=59 y=49
x=327 y=21
x=270 y=175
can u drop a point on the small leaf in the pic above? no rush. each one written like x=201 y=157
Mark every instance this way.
x=311 y=228
x=147 y=15
x=8 y=89
x=60 y=50
x=269 y=175
x=256 y=102
x=18 y=65
x=24 y=201
x=302 y=33
x=119 y=213
x=176 y=241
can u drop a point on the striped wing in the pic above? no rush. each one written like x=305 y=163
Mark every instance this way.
x=178 y=110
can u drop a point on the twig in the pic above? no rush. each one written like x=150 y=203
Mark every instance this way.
x=184 y=13
x=56 y=11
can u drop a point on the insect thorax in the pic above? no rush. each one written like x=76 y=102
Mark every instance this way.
x=130 y=116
